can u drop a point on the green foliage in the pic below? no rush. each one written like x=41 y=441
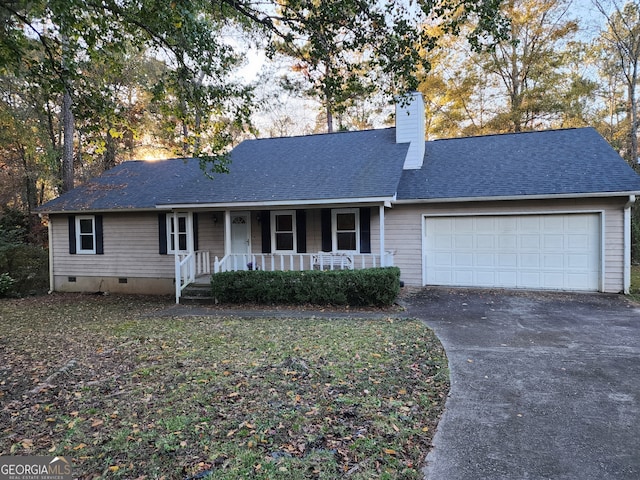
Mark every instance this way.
x=27 y=267
x=6 y=284
x=368 y=287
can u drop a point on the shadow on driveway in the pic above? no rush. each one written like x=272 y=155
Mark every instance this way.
x=543 y=385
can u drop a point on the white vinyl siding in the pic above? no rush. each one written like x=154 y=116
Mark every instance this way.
x=131 y=249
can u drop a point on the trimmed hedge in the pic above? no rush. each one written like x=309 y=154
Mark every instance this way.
x=368 y=287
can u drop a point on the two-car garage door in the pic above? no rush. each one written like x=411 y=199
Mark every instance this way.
x=550 y=251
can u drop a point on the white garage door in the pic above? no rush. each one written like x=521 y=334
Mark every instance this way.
x=559 y=252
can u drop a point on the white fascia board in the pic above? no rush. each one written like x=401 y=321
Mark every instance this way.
x=277 y=203
x=89 y=211
x=516 y=197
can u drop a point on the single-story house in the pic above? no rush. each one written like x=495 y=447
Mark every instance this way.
x=533 y=210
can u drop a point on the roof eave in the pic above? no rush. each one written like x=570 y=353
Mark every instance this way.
x=277 y=203
x=95 y=210
x=519 y=197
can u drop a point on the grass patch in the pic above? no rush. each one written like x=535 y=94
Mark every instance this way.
x=127 y=394
x=634 y=290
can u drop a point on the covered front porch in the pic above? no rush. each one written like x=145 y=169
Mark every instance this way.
x=208 y=241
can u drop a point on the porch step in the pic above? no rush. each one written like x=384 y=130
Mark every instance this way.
x=197 y=294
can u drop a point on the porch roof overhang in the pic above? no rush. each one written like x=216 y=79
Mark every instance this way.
x=386 y=201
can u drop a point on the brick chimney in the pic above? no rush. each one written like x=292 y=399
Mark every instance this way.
x=410 y=128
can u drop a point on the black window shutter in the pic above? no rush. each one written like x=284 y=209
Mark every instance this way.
x=99 y=235
x=72 y=234
x=301 y=230
x=265 y=222
x=325 y=225
x=195 y=231
x=365 y=230
x=162 y=233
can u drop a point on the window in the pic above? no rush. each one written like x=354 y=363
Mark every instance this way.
x=86 y=234
x=178 y=226
x=283 y=226
x=346 y=231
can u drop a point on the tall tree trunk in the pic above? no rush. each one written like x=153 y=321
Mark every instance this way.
x=109 y=157
x=329 y=117
x=633 y=123
x=68 y=125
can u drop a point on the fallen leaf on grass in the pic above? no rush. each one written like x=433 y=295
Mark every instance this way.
x=389 y=451
x=26 y=443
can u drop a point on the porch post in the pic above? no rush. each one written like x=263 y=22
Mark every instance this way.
x=382 y=259
x=176 y=258
x=227 y=232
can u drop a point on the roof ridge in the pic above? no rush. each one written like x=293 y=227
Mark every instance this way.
x=503 y=134
x=321 y=134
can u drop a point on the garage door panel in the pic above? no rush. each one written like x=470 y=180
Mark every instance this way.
x=553 y=242
x=581 y=262
x=529 y=224
x=463 y=260
x=506 y=278
x=530 y=241
x=485 y=259
x=485 y=241
x=507 y=260
x=444 y=241
x=529 y=260
x=553 y=261
x=578 y=241
x=515 y=251
x=507 y=242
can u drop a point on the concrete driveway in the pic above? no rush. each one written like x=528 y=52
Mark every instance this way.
x=543 y=385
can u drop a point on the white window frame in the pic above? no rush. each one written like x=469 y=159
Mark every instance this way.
x=334 y=228
x=79 y=235
x=274 y=232
x=188 y=225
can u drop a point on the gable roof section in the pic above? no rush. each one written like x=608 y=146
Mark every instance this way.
x=356 y=166
x=315 y=168
x=346 y=165
x=568 y=162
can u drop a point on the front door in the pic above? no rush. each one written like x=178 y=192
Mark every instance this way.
x=240 y=234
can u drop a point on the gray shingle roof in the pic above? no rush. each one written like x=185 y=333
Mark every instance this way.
x=347 y=165
x=551 y=162
x=367 y=164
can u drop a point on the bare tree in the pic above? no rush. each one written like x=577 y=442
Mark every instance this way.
x=621 y=40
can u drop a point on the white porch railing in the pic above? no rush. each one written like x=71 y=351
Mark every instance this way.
x=299 y=261
x=188 y=267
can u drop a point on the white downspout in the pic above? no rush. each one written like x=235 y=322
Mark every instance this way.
x=382 y=255
x=176 y=258
x=627 y=243
x=50 y=234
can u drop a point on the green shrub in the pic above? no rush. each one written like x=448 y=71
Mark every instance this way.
x=6 y=284
x=368 y=287
x=27 y=266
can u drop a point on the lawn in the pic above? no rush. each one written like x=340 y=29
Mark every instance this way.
x=127 y=393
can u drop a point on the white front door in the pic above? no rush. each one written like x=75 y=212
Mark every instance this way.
x=240 y=233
